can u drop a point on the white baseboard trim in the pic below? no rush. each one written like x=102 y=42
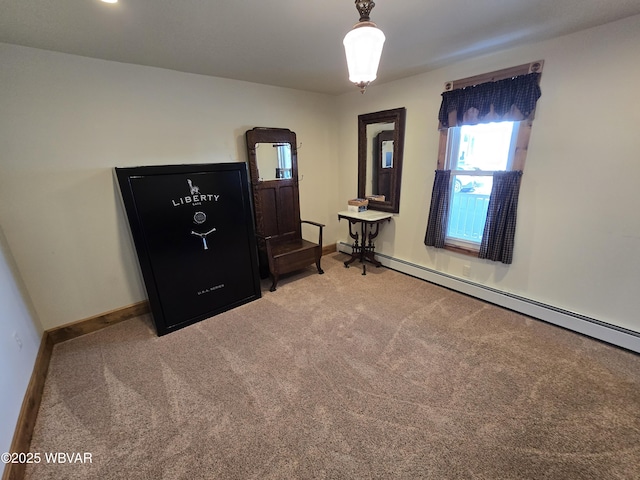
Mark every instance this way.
x=576 y=322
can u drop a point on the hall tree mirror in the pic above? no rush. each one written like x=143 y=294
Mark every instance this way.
x=380 y=152
x=274 y=161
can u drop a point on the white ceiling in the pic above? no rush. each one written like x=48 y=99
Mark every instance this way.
x=292 y=43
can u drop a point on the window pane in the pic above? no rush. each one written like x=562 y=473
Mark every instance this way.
x=484 y=147
x=468 y=209
x=284 y=161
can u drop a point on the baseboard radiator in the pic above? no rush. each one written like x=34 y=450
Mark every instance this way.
x=576 y=322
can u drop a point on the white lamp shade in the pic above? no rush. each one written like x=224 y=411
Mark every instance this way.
x=363 y=48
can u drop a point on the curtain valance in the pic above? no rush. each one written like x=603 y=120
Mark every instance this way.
x=512 y=99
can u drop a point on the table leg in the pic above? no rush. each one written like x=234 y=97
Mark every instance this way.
x=370 y=249
x=363 y=248
x=356 y=248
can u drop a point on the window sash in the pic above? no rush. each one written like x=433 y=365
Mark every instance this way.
x=453 y=145
x=451 y=163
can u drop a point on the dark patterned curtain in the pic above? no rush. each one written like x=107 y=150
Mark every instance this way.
x=437 y=223
x=500 y=227
x=512 y=99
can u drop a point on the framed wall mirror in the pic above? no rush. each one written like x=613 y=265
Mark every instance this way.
x=380 y=152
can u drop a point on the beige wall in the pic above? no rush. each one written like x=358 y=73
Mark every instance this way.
x=19 y=343
x=66 y=121
x=578 y=235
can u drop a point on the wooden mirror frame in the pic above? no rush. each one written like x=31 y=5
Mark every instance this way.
x=270 y=136
x=397 y=116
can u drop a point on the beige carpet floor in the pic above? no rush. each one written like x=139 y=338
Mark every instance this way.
x=343 y=376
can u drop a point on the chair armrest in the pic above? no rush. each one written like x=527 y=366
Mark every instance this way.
x=319 y=225
x=313 y=223
x=283 y=237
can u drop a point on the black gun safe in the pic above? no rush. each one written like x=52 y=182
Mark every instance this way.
x=192 y=226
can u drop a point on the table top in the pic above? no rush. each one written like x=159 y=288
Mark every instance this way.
x=366 y=216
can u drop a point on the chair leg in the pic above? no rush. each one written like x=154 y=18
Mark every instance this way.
x=320 y=271
x=274 y=279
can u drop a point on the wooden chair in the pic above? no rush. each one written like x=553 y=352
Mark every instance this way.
x=281 y=248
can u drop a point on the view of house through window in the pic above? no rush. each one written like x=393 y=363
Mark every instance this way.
x=474 y=152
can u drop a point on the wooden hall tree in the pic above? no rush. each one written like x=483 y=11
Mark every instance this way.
x=273 y=169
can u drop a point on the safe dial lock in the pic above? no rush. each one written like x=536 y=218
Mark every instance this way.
x=199 y=218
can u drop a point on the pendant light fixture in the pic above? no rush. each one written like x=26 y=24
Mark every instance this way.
x=363 y=47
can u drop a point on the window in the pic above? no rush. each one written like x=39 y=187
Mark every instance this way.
x=474 y=152
x=485 y=123
x=283 y=170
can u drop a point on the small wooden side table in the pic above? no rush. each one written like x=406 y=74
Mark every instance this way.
x=363 y=246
